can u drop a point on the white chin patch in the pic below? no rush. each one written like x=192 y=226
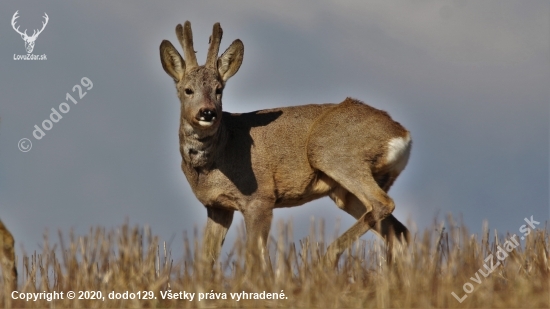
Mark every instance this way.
x=204 y=123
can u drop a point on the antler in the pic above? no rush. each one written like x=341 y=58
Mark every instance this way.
x=34 y=33
x=15 y=16
x=43 y=26
x=215 y=39
x=185 y=36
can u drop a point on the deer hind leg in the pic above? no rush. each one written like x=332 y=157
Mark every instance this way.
x=388 y=228
x=361 y=184
x=219 y=221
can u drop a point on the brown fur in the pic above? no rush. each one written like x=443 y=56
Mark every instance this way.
x=7 y=258
x=255 y=162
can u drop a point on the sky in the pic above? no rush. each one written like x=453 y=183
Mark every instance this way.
x=468 y=79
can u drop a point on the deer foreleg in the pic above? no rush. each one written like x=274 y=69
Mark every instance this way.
x=257 y=218
x=219 y=221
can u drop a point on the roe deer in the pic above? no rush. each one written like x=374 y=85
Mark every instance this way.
x=282 y=157
x=7 y=258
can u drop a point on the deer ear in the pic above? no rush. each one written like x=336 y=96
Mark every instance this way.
x=172 y=62
x=230 y=61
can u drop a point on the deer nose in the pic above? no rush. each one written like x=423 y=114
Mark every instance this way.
x=207 y=114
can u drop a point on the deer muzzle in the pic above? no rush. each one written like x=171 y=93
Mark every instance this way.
x=207 y=117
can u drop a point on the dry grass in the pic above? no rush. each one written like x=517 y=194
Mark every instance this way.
x=423 y=275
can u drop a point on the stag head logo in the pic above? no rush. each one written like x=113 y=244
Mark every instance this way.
x=29 y=40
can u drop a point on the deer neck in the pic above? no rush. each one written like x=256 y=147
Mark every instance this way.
x=200 y=149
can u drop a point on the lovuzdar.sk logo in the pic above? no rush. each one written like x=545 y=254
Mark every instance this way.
x=29 y=40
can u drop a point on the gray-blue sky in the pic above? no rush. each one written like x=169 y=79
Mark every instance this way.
x=469 y=79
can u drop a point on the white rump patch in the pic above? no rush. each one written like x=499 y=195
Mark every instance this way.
x=399 y=149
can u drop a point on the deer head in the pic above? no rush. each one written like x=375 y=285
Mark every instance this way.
x=200 y=90
x=29 y=40
x=200 y=87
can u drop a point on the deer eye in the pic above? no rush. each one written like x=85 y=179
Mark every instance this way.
x=188 y=91
x=219 y=91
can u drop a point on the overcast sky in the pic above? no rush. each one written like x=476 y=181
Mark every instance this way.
x=469 y=79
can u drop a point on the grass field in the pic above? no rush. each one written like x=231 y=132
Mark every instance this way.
x=438 y=262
